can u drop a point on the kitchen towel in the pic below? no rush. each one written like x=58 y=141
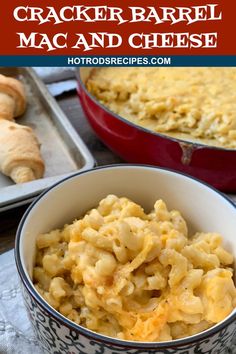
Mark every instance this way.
x=16 y=333
x=58 y=80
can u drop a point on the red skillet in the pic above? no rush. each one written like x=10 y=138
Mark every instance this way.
x=216 y=166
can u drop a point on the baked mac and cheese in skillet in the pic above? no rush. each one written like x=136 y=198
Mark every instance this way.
x=193 y=104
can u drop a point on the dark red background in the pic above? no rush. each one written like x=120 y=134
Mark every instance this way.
x=9 y=26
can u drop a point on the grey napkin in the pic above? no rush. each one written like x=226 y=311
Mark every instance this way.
x=58 y=79
x=56 y=74
x=16 y=334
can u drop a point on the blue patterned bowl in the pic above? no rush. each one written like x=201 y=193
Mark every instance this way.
x=203 y=207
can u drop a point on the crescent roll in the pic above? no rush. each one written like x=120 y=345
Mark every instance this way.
x=20 y=157
x=12 y=98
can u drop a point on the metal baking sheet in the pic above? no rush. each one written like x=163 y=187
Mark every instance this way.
x=61 y=147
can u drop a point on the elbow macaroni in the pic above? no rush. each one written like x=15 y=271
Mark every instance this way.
x=135 y=276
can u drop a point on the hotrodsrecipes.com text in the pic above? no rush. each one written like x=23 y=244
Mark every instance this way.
x=119 y=61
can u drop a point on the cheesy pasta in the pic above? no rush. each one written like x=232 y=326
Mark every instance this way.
x=135 y=276
x=196 y=104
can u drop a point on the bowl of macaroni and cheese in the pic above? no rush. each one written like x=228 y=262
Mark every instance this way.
x=179 y=118
x=129 y=258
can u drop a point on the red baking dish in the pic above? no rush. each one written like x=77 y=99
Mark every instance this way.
x=216 y=166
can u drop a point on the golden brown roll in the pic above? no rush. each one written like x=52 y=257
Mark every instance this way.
x=12 y=98
x=20 y=156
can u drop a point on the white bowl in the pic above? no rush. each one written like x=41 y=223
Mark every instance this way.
x=203 y=208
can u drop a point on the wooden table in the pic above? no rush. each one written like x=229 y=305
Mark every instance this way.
x=69 y=103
